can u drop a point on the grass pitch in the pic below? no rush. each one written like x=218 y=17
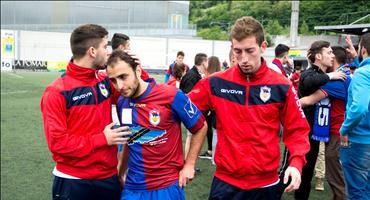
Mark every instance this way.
x=26 y=162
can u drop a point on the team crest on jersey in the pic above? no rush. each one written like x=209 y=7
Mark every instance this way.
x=154 y=117
x=103 y=90
x=265 y=93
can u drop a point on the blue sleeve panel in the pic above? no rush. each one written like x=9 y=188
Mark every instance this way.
x=185 y=110
x=337 y=88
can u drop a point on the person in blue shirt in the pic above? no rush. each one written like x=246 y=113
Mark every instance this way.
x=355 y=130
x=179 y=60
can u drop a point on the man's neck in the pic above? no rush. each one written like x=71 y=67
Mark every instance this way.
x=322 y=67
x=83 y=62
x=201 y=69
x=279 y=59
x=142 y=88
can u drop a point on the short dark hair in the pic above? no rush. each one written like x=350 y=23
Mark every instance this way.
x=316 y=48
x=119 y=55
x=84 y=37
x=340 y=54
x=118 y=39
x=280 y=50
x=199 y=58
x=180 y=53
x=365 y=42
x=245 y=27
x=178 y=71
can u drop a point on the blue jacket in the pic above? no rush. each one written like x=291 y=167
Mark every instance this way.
x=357 y=120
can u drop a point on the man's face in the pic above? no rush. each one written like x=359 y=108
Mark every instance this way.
x=327 y=57
x=101 y=55
x=248 y=54
x=127 y=45
x=285 y=58
x=124 y=79
x=180 y=59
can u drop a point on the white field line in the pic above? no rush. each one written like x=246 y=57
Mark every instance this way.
x=15 y=92
x=15 y=75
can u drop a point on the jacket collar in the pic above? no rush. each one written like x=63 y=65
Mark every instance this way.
x=317 y=68
x=253 y=77
x=366 y=61
x=81 y=73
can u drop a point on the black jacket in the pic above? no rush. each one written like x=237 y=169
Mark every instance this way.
x=190 y=79
x=310 y=81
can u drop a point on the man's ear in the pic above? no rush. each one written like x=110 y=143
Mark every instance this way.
x=364 y=53
x=264 y=46
x=138 y=71
x=318 y=56
x=91 y=52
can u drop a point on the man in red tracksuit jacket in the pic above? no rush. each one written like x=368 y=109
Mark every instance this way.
x=250 y=100
x=76 y=110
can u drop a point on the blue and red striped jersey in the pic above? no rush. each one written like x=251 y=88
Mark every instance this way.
x=156 y=158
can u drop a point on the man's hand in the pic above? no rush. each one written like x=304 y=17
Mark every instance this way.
x=337 y=76
x=350 y=49
x=114 y=136
x=186 y=174
x=344 y=140
x=295 y=176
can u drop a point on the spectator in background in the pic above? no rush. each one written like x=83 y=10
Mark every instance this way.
x=179 y=60
x=355 y=131
x=336 y=91
x=214 y=65
x=281 y=58
x=76 y=110
x=122 y=42
x=179 y=72
x=296 y=75
x=321 y=57
x=191 y=78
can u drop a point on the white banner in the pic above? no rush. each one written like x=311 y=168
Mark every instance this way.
x=6 y=64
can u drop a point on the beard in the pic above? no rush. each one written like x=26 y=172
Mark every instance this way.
x=135 y=88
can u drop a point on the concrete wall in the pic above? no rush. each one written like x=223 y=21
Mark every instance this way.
x=154 y=52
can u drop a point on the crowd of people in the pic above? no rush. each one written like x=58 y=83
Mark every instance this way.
x=247 y=108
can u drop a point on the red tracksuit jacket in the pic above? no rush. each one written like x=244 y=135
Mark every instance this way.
x=248 y=114
x=76 y=108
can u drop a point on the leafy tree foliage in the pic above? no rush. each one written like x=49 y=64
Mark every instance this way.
x=274 y=15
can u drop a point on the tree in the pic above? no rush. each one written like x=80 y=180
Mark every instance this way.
x=273 y=27
x=304 y=29
x=214 y=33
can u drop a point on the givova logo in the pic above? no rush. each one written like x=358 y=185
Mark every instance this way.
x=82 y=96
x=227 y=91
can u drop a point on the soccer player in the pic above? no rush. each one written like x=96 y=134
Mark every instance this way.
x=76 y=110
x=250 y=100
x=179 y=60
x=153 y=157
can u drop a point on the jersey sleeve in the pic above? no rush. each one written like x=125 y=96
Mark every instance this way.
x=200 y=95
x=60 y=139
x=187 y=112
x=296 y=129
x=335 y=89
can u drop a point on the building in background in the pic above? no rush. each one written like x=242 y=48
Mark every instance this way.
x=134 y=18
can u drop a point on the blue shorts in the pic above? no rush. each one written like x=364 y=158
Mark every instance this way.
x=171 y=192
